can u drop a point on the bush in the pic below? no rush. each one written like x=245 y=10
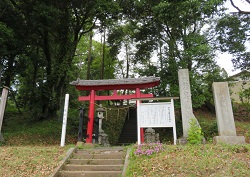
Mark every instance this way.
x=209 y=129
x=195 y=135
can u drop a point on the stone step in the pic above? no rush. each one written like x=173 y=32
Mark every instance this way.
x=84 y=155
x=90 y=173
x=73 y=167
x=96 y=161
x=125 y=144
x=102 y=150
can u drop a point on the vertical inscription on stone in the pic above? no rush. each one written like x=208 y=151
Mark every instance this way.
x=186 y=102
x=223 y=107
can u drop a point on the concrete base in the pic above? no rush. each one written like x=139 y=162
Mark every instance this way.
x=182 y=141
x=229 y=139
x=1 y=137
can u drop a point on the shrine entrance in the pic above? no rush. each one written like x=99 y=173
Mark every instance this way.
x=136 y=84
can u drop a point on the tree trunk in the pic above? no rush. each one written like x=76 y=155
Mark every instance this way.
x=89 y=54
x=103 y=54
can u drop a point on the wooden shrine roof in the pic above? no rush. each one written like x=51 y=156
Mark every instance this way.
x=117 y=84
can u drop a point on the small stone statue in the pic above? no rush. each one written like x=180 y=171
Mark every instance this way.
x=103 y=139
x=150 y=136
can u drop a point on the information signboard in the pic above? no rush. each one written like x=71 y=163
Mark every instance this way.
x=156 y=115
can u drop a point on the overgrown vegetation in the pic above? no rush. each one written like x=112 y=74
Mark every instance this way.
x=195 y=134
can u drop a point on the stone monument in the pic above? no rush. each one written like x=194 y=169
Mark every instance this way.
x=186 y=102
x=151 y=136
x=224 y=115
x=102 y=136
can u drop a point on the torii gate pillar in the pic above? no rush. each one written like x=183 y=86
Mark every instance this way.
x=91 y=117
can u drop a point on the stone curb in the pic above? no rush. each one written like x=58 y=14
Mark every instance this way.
x=62 y=162
x=126 y=162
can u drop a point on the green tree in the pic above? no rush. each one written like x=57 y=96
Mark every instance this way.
x=233 y=37
x=173 y=29
x=47 y=35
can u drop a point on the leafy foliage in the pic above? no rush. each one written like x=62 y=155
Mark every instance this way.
x=40 y=40
x=233 y=37
x=195 y=134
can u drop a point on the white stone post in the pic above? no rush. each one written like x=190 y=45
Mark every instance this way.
x=65 y=115
x=2 y=108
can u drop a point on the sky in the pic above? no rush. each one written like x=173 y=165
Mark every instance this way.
x=224 y=59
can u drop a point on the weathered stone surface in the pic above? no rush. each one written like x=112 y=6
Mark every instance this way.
x=186 y=102
x=103 y=139
x=104 y=162
x=182 y=141
x=150 y=136
x=224 y=115
x=3 y=101
x=223 y=107
x=229 y=139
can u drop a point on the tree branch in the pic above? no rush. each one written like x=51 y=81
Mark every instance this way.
x=240 y=11
x=169 y=34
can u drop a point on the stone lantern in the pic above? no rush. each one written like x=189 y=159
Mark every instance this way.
x=100 y=112
x=102 y=137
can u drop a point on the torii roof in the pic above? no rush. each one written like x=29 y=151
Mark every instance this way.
x=117 y=84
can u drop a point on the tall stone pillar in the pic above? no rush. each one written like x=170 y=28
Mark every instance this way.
x=224 y=115
x=186 y=101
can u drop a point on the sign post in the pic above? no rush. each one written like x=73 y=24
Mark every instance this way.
x=65 y=114
x=156 y=115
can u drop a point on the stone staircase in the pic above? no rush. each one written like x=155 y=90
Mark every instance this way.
x=96 y=162
x=129 y=130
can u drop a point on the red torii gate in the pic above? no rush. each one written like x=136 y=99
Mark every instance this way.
x=112 y=84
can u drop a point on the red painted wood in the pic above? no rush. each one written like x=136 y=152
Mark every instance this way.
x=138 y=95
x=116 y=97
x=118 y=87
x=91 y=117
x=142 y=134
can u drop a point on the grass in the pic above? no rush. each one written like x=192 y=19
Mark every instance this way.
x=30 y=160
x=18 y=130
x=203 y=160
x=32 y=149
